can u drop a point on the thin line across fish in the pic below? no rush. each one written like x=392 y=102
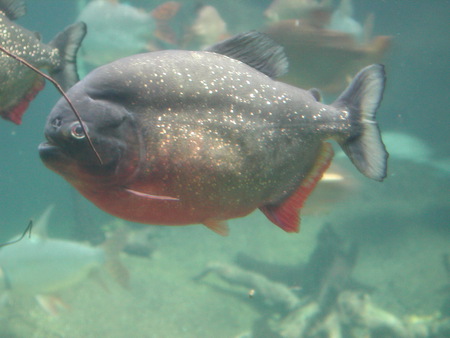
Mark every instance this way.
x=205 y=136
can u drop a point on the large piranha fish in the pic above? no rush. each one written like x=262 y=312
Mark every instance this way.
x=205 y=136
x=19 y=84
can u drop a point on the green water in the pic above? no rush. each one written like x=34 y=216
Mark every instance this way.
x=401 y=225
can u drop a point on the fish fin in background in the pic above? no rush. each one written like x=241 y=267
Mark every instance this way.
x=68 y=42
x=112 y=248
x=219 y=227
x=13 y=9
x=41 y=224
x=361 y=99
x=52 y=304
x=256 y=50
x=368 y=28
x=287 y=214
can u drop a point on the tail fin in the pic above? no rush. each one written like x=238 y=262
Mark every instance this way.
x=361 y=99
x=68 y=42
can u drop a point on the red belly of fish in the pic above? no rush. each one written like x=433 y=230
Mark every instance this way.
x=133 y=208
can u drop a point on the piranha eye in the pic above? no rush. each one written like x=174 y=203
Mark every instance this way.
x=77 y=131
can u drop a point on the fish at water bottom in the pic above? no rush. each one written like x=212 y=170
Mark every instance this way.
x=40 y=266
x=205 y=136
x=19 y=84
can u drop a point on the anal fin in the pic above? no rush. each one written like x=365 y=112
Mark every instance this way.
x=287 y=214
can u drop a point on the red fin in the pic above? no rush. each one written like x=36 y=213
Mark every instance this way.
x=15 y=114
x=219 y=227
x=287 y=214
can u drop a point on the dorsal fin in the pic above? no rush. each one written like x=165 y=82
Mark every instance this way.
x=256 y=50
x=13 y=9
x=41 y=224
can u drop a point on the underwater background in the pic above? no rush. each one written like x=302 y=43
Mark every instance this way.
x=401 y=226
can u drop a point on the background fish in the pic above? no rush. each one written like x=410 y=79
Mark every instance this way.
x=40 y=266
x=297 y=9
x=331 y=50
x=19 y=84
x=115 y=30
x=202 y=137
x=207 y=29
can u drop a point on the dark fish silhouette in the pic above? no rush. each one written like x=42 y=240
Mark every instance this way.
x=204 y=136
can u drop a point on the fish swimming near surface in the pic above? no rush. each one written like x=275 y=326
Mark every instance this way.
x=19 y=84
x=205 y=136
x=40 y=266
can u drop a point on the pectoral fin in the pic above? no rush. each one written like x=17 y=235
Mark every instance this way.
x=219 y=227
x=154 y=197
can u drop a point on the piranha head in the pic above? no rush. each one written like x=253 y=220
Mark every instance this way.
x=111 y=129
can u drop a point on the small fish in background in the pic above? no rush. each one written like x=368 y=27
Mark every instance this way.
x=19 y=85
x=164 y=32
x=298 y=9
x=190 y=137
x=207 y=29
x=115 y=30
x=119 y=29
x=40 y=266
x=342 y=21
x=324 y=53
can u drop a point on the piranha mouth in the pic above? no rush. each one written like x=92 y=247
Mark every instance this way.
x=49 y=152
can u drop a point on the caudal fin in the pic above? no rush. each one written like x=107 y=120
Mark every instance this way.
x=361 y=99
x=68 y=42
